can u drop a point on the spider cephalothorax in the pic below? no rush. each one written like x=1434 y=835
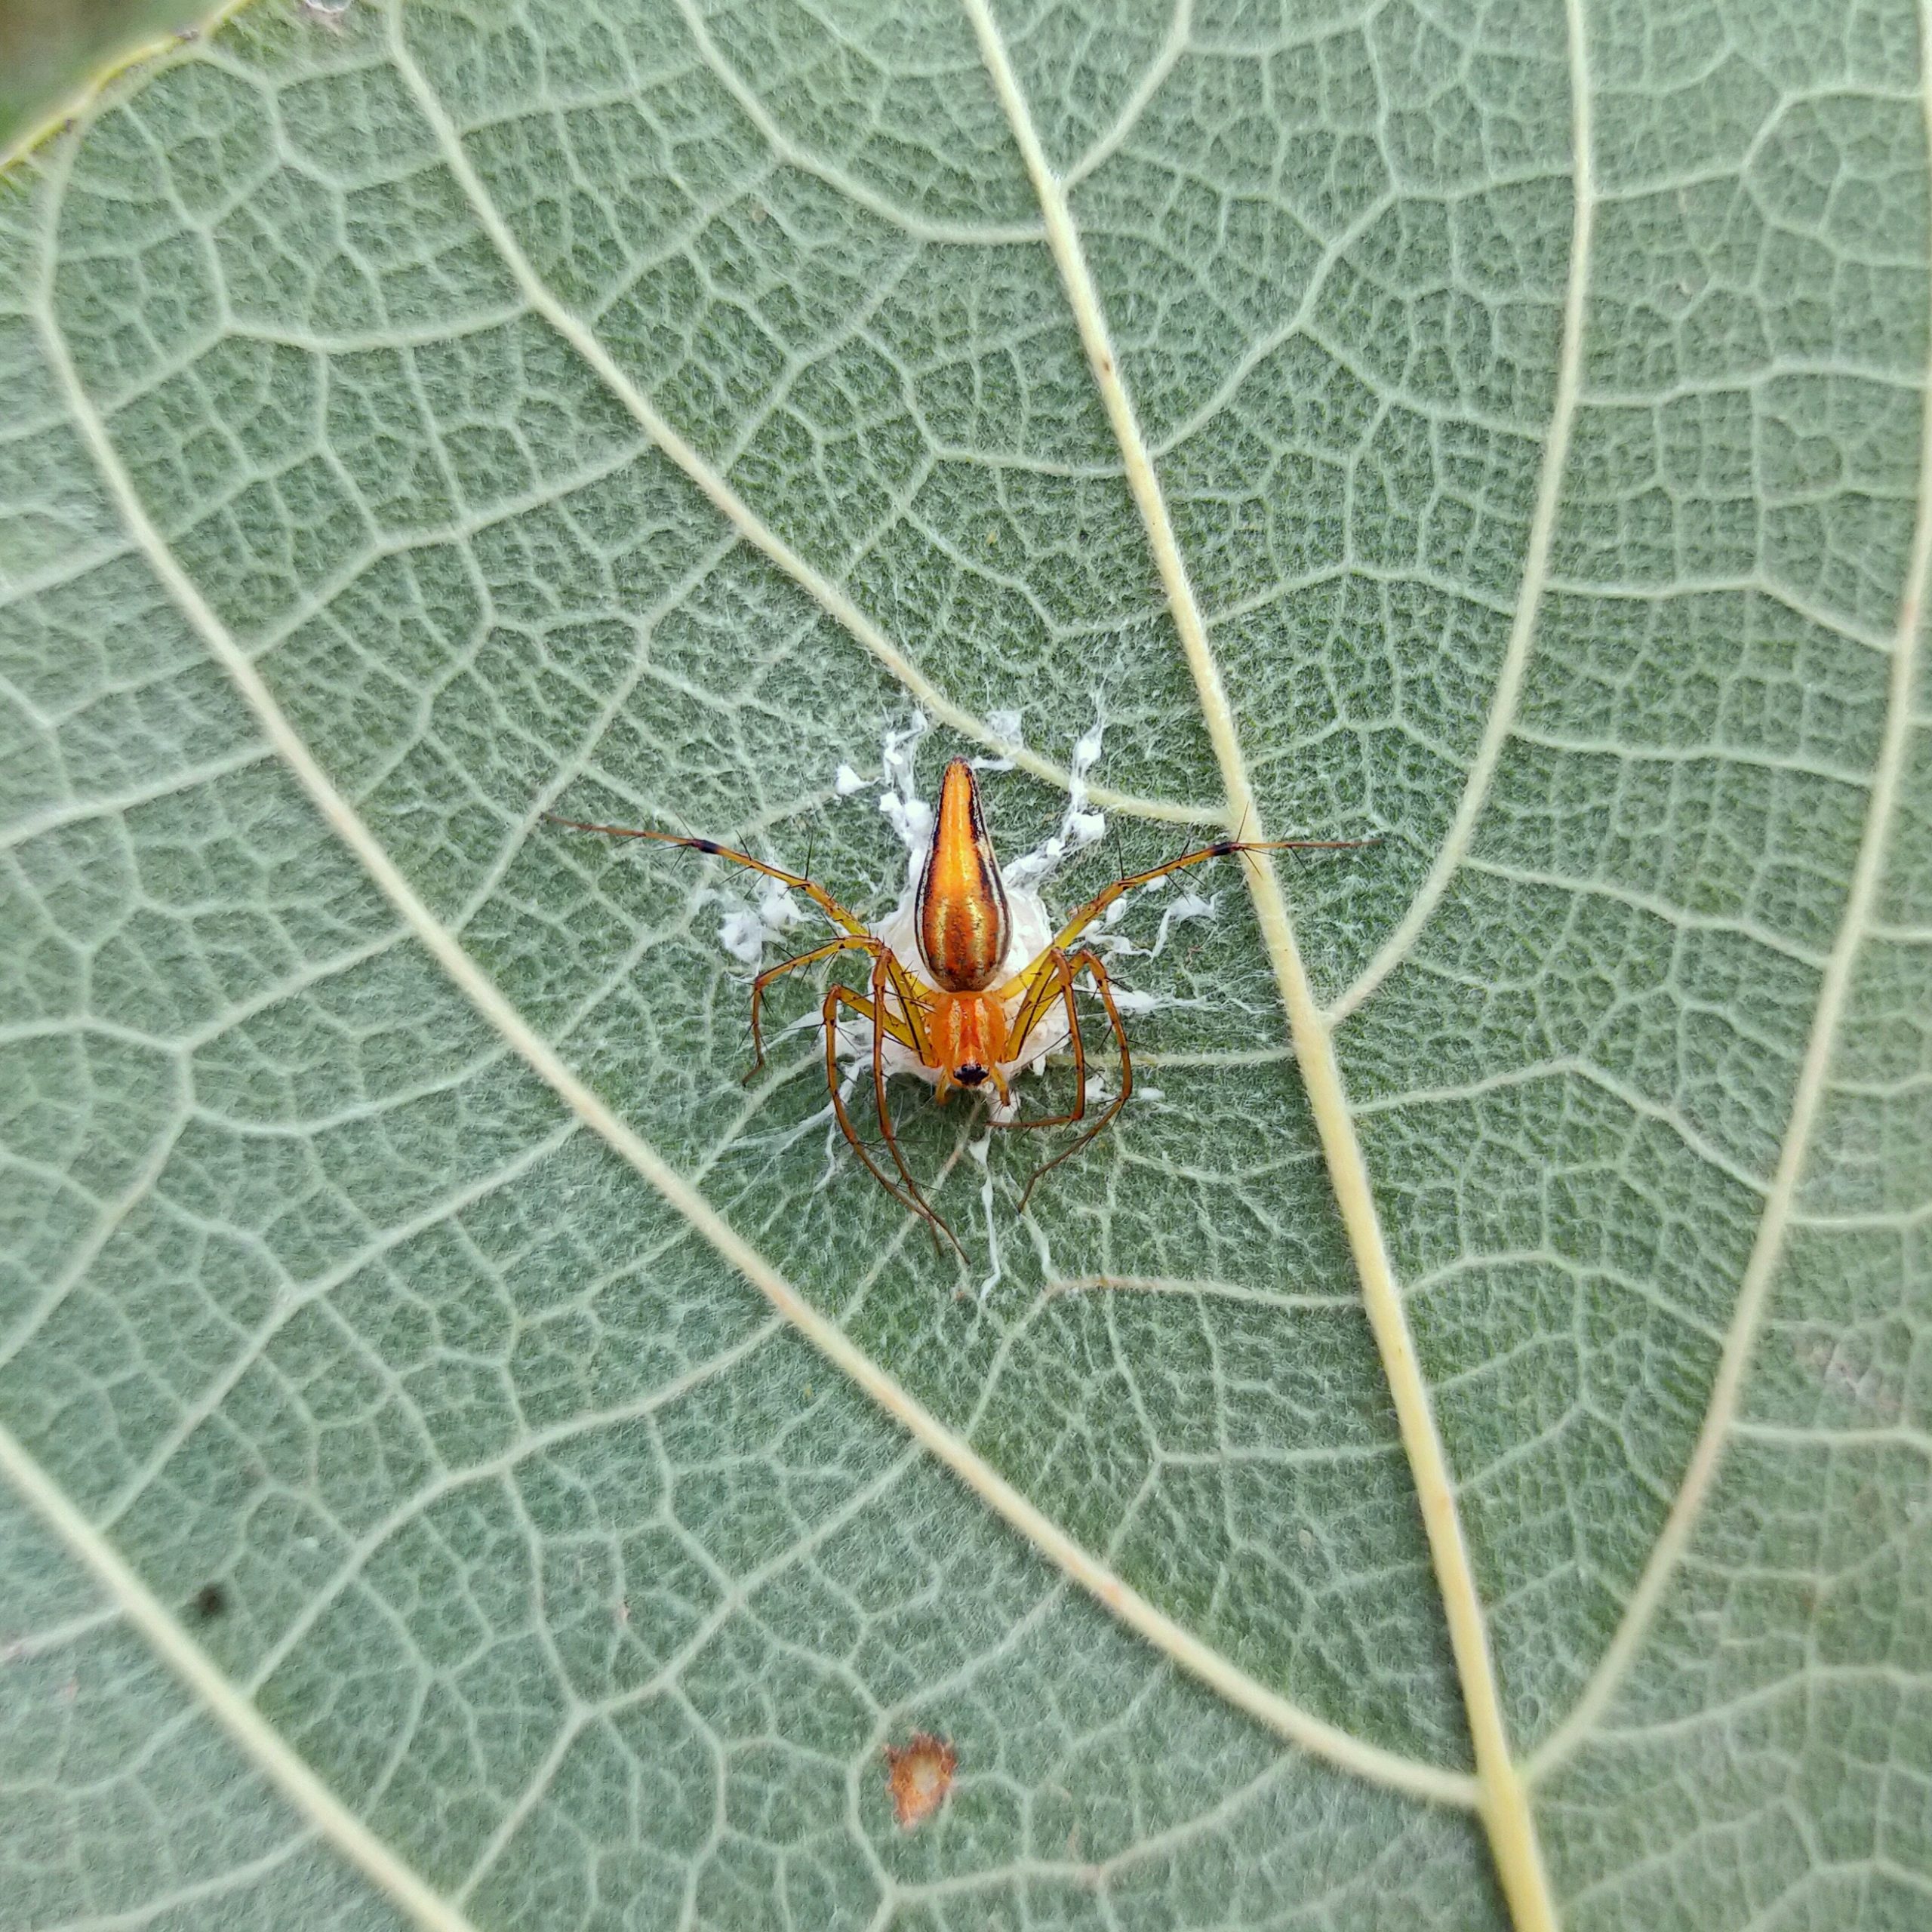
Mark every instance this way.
x=945 y=998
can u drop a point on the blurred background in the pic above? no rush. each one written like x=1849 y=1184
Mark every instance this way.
x=49 y=47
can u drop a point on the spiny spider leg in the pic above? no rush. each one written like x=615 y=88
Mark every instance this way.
x=1060 y=980
x=882 y=970
x=1078 y=921
x=839 y=996
x=1091 y=960
x=846 y=921
x=845 y=942
x=908 y=1029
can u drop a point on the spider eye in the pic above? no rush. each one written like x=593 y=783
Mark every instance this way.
x=970 y=1076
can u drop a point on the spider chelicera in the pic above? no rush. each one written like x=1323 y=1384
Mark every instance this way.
x=949 y=1000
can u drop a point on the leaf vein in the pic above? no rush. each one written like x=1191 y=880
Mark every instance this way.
x=1813 y=1080
x=1503 y=1802
x=1507 y=698
x=713 y=486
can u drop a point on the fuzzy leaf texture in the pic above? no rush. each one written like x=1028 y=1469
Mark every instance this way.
x=1455 y=1456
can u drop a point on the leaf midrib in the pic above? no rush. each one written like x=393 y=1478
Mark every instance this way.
x=1504 y=1799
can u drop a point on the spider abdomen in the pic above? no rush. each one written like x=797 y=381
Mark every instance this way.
x=964 y=924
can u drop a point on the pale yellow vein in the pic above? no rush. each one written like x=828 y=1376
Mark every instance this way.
x=1502 y=1799
x=1834 y=991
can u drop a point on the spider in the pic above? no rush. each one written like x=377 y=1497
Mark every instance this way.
x=960 y=993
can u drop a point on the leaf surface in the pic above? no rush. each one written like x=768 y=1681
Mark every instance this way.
x=1455 y=1455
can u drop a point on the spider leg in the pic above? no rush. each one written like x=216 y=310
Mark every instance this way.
x=847 y=942
x=1061 y=978
x=844 y=996
x=882 y=968
x=849 y=922
x=1088 y=959
x=913 y=1008
x=1041 y=978
x=1078 y=921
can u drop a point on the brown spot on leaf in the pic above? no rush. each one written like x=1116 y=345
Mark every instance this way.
x=919 y=1774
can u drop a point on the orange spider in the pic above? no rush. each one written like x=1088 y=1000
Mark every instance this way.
x=960 y=1012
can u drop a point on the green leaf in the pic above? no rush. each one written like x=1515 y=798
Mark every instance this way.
x=1454 y=1455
